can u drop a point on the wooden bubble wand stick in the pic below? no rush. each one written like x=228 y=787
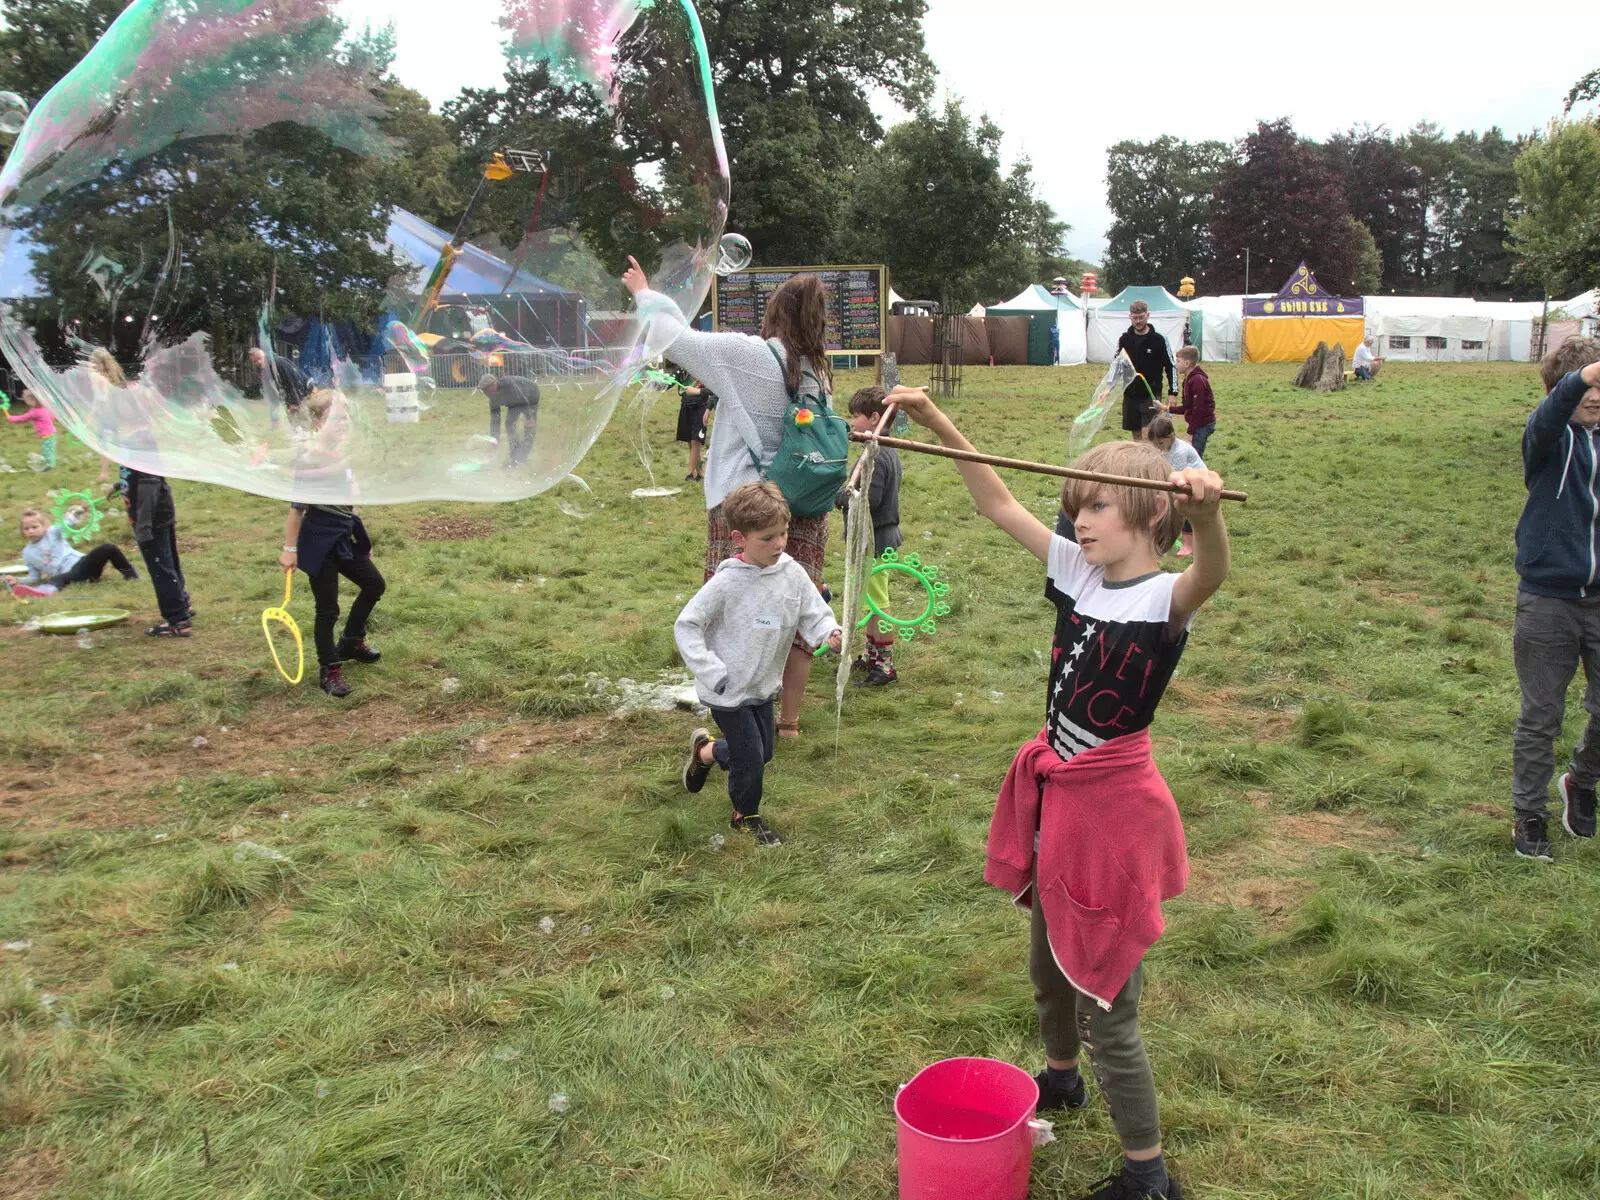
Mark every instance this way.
x=1038 y=468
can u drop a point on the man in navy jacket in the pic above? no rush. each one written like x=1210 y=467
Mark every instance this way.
x=1558 y=598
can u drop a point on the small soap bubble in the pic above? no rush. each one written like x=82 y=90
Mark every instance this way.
x=718 y=841
x=85 y=642
x=547 y=925
x=450 y=685
x=558 y=1102
x=733 y=253
x=506 y=1054
x=17 y=947
x=668 y=992
x=228 y=966
x=321 y=1090
x=200 y=742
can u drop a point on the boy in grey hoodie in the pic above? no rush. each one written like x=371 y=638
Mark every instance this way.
x=735 y=636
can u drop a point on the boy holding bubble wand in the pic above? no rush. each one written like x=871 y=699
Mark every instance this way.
x=1085 y=832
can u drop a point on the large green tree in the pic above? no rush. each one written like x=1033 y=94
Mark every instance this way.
x=44 y=39
x=1281 y=201
x=1557 y=230
x=935 y=204
x=1160 y=196
x=1383 y=188
x=1472 y=213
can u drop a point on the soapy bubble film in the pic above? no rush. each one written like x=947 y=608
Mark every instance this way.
x=260 y=210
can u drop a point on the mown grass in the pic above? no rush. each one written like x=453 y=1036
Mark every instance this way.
x=1362 y=995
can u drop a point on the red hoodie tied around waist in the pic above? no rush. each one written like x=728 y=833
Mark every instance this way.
x=1111 y=844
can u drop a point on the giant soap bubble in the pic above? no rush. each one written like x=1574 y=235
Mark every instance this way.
x=279 y=245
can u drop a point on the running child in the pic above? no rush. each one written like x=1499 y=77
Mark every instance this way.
x=883 y=494
x=735 y=635
x=1085 y=831
x=44 y=426
x=53 y=564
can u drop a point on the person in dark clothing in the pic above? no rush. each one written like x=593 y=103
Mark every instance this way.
x=287 y=379
x=1151 y=355
x=883 y=494
x=519 y=397
x=1557 y=625
x=694 y=397
x=327 y=541
x=154 y=518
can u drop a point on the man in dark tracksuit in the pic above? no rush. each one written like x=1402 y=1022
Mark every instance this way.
x=155 y=527
x=1558 y=597
x=519 y=396
x=1151 y=356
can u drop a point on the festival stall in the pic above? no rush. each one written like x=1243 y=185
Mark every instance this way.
x=1287 y=327
x=1045 y=311
x=1216 y=327
x=1109 y=321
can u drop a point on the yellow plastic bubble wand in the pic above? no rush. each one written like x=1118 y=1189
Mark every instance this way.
x=281 y=615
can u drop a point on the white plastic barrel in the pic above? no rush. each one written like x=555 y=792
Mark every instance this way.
x=400 y=394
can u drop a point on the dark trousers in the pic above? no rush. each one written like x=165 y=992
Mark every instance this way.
x=1069 y=1022
x=1550 y=639
x=744 y=750
x=1199 y=437
x=160 y=555
x=519 y=442
x=92 y=564
x=325 y=589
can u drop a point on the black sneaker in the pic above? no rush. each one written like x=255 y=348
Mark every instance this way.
x=358 y=651
x=1577 y=808
x=1120 y=1187
x=1052 y=1097
x=878 y=676
x=331 y=680
x=170 y=629
x=695 y=771
x=1532 y=838
x=758 y=828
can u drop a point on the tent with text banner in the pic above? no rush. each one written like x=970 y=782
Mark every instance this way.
x=1109 y=321
x=1288 y=326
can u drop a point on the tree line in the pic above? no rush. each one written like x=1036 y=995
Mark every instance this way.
x=1475 y=214
x=816 y=177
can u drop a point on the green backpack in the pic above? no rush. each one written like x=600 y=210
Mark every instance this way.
x=812 y=458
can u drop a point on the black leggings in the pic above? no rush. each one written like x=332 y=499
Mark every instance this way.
x=92 y=564
x=325 y=588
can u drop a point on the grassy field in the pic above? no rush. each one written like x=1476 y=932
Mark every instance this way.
x=484 y=893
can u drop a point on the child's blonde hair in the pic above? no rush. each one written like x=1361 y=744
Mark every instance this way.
x=100 y=361
x=25 y=514
x=754 y=507
x=1143 y=509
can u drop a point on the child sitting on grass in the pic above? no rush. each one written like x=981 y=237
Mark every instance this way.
x=53 y=564
x=44 y=425
x=1558 y=619
x=883 y=493
x=1085 y=832
x=735 y=634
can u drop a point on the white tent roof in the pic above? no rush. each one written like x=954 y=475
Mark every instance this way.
x=1038 y=298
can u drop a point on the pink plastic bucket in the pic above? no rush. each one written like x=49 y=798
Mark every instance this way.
x=962 y=1131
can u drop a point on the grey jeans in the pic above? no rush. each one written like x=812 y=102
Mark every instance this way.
x=1550 y=639
x=1069 y=1020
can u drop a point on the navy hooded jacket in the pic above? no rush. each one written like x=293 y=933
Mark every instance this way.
x=1558 y=537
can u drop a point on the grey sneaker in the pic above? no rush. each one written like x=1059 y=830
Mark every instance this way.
x=1531 y=837
x=1577 y=807
x=757 y=828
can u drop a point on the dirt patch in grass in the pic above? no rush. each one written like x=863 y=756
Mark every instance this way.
x=1287 y=844
x=32 y=1174
x=1225 y=707
x=453 y=529
x=111 y=788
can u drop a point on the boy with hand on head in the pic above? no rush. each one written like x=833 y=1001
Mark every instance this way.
x=1085 y=832
x=883 y=494
x=1199 y=407
x=735 y=636
x=1558 y=597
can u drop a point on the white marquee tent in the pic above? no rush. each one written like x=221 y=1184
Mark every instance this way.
x=1069 y=318
x=1109 y=321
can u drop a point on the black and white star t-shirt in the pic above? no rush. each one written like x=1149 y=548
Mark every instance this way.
x=1114 y=650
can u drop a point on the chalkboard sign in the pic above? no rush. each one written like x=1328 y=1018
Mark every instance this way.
x=857 y=303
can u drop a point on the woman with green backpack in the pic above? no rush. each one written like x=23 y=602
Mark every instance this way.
x=775 y=421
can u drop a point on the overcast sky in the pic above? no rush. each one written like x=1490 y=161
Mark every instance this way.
x=1060 y=77
x=1067 y=79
